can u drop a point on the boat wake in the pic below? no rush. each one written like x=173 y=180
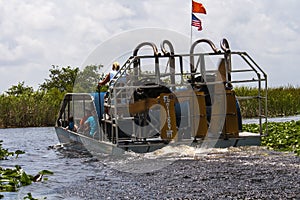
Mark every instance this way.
x=149 y=162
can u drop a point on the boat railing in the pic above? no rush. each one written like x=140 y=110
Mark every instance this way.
x=183 y=66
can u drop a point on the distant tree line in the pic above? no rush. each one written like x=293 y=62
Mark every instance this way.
x=22 y=106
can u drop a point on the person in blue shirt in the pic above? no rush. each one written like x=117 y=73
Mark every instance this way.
x=110 y=75
x=91 y=124
x=71 y=125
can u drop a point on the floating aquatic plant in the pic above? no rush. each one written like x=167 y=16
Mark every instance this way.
x=282 y=136
x=13 y=178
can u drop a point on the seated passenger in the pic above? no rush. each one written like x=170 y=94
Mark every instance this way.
x=71 y=125
x=91 y=124
x=81 y=123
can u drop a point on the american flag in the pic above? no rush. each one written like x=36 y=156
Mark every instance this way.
x=196 y=22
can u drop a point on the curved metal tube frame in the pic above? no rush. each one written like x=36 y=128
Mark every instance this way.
x=225 y=45
x=226 y=48
x=156 y=54
x=146 y=44
x=192 y=66
x=163 y=49
x=172 y=59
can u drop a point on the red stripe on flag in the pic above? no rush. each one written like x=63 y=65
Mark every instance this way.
x=196 y=22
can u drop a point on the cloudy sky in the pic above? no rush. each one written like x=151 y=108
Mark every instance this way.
x=37 y=34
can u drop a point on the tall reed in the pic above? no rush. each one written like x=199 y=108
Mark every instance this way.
x=281 y=101
x=40 y=108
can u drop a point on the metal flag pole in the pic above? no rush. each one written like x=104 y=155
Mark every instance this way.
x=191 y=39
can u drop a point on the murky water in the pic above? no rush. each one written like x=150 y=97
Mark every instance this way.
x=197 y=174
x=36 y=142
x=69 y=166
x=274 y=119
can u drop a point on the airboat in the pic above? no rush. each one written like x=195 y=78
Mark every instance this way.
x=163 y=98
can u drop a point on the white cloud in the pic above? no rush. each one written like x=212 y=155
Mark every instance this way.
x=36 y=34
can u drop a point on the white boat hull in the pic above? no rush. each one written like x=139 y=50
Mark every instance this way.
x=102 y=147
